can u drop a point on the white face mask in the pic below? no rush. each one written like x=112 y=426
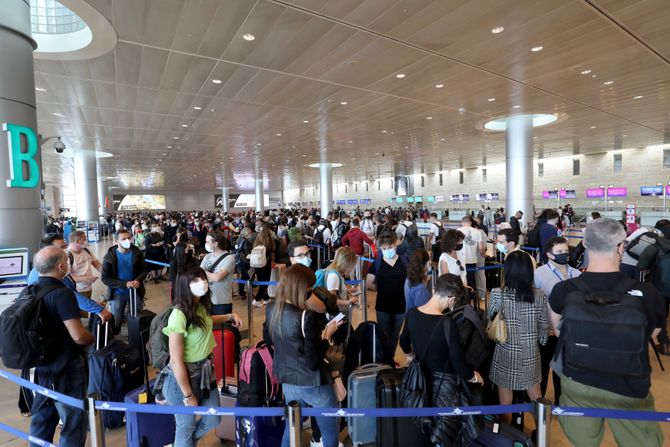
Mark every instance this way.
x=209 y=248
x=199 y=288
x=125 y=244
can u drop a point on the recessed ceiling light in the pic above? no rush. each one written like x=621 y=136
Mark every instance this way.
x=608 y=82
x=638 y=97
x=175 y=138
x=429 y=117
x=593 y=76
x=350 y=141
x=184 y=125
x=40 y=89
x=400 y=75
x=304 y=155
x=305 y=121
x=497 y=30
x=278 y=134
x=344 y=103
x=217 y=81
x=384 y=131
x=164 y=154
x=516 y=106
x=231 y=157
x=537 y=48
x=169 y=147
x=439 y=85
x=585 y=72
x=160 y=159
x=59 y=115
x=377 y=153
x=197 y=108
x=244 y=152
x=249 y=37
x=443 y=139
x=593 y=127
x=70 y=130
x=491 y=99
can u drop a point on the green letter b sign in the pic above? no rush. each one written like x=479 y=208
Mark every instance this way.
x=17 y=157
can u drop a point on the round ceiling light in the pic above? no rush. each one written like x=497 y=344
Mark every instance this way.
x=539 y=119
x=318 y=165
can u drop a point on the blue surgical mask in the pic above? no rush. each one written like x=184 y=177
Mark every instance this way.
x=388 y=253
x=501 y=247
x=306 y=261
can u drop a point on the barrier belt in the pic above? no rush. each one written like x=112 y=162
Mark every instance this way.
x=51 y=394
x=157 y=263
x=25 y=436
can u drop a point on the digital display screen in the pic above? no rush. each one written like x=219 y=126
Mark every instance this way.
x=352 y=202
x=136 y=202
x=341 y=202
x=398 y=199
x=410 y=200
x=465 y=197
x=430 y=199
x=568 y=194
x=480 y=196
x=595 y=192
x=11 y=266
x=249 y=201
x=617 y=192
x=418 y=199
x=651 y=190
x=493 y=196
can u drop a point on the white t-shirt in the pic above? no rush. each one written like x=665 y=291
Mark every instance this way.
x=626 y=258
x=222 y=291
x=368 y=227
x=434 y=232
x=334 y=282
x=82 y=266
x=473 y=238
x=453 y=267
x=327 y=234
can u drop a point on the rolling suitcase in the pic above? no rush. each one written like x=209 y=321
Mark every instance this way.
x=226 y=430
x=498 y=434
x=138 y=323
x=361 y=393
x=147 y=429
x=113 y=370
x=393 y=432
x=228 y=345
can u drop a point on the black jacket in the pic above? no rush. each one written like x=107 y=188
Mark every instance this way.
x=298 y=360
x=110 y=270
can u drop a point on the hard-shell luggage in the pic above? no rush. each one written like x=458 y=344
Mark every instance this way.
x=260 y=431
x=225 y=359
x=228 y=345
x=114 y=369
x=499 y=434
x=361 y=393
x=147 y=429
x=393 y=432
x=138 y=323
x=368 y=344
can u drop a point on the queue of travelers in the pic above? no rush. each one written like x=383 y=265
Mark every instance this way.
x=434 y=319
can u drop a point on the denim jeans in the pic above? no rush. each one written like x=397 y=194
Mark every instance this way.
x=317 y=397
x=118 y=303
x=46 y=412
x=190 y=430
x=391 y=324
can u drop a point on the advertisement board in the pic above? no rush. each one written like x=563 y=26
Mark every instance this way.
x=137 y=202
x=595 y=192
x=651 y=190
x=617 y=192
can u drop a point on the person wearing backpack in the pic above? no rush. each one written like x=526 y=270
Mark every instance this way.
x=416 y=288
x=66 y=371
x=300 y=349
x=332 y=277
x=263 y=273
x=82 y=263
x=219 y=264
x=619 y=316
x=190 y=379
x=548 y=222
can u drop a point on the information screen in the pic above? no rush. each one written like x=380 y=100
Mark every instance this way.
x=11 y=266
x=249 y=201
x=137 y=202
x=595 y=192
x=651 y=190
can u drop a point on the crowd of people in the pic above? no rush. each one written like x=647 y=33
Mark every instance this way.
x=541 y=300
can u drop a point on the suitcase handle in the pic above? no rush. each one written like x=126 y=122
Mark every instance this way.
x=97 y=335
x=133 y=301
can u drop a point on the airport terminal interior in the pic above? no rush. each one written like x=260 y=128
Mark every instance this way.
x=406 y=114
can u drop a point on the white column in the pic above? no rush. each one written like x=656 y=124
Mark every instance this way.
x=326 y=190
x=225 y=198
x=520 y=166
x=260 y=194
x=103 y=194
x=86 y=183
x=57 y=203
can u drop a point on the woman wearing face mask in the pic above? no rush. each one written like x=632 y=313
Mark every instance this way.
x=153 y=250
x=451 y=259
x=416 y=284
x=220 y=267
x=343 y=264
x=425 y=336
x=264 y=238
x=390 y=270
x=190 y=379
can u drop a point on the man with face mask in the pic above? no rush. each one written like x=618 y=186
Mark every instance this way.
x=123 y=268
x=66 y=373
x=169 y=235
x=546 y=277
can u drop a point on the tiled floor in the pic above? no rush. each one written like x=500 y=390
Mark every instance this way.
x=157 y=299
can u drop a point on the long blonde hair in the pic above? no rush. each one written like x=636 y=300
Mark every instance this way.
x=344 y=261
x=292 y=290
x=264 y=238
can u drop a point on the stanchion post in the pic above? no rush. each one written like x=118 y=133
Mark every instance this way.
x=543 y=419
x=364 y=299
x=294 y=423
x=359 y=268
x=250 y=311
x=318 y=256
x=95 y=422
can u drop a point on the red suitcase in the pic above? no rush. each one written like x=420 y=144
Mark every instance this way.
x=230 y=349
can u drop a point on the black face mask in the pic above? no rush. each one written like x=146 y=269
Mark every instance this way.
x=459 y=247
x=561 y=258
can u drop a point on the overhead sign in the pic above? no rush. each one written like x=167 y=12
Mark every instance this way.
x=20 y=158
x=651 y=190
x=595 y=192
x=617 y=192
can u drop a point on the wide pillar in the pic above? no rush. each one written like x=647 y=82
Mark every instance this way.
x=20 y=159
x=57 y=202
x=260 y=195
x=103 y=197
x=519 y=163
x=86 y=184
x=225 y=199
x=326 y=188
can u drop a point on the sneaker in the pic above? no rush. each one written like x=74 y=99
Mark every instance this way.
x=313 y=443
x=256 y=303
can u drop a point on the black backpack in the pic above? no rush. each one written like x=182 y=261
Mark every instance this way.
x=533 y=239
x=604 y=332
x=640 y=244
x=318 y=237
x=660 y=272
x=25 y=342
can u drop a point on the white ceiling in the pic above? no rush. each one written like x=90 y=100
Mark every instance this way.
x=309 y=56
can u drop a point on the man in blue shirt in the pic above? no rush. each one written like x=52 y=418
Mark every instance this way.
x=548 y=229
x=66 y=373
x=123 y=268
x=86 y=304
x=546 y=277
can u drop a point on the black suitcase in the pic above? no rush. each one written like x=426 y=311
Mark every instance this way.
x=138 y=324
x=114 y=369
x=498 y=434
x=393 y=432
x=493 y=276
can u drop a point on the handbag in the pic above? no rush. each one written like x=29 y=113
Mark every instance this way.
x=497 y=328
x=339 y=389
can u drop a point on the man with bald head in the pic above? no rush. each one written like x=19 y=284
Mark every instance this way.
x=67 y=372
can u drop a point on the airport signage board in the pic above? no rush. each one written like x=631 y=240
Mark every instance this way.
x=568 y=194
x=617 y=192
x=651 y=190
x=595 y=192
x=20 y=138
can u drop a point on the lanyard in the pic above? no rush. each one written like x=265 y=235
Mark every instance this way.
x=559 y=276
